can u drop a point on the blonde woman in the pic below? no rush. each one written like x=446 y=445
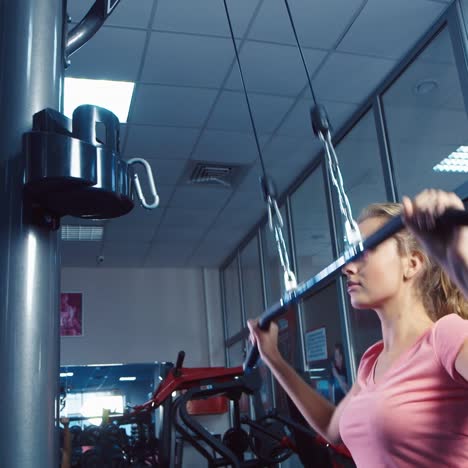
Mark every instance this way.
x=408 y=406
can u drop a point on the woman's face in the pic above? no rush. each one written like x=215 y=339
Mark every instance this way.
x=376 y=277
x=338 y=358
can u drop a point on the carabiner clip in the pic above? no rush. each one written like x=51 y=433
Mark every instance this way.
x=152 y=185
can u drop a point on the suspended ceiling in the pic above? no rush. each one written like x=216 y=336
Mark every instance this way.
x=189 y=105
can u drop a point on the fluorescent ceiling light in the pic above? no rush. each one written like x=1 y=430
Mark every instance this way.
x=82 y=233
x=127 y=379
x=66 y=374
x=455 y=162
x=115 y=96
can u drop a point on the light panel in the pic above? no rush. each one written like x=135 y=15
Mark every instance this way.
x=82 y=233
x=115 y=96
x=454 y=162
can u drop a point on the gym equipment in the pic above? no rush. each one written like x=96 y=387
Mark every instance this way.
x=355 y=246
x=69 y=171
x=448 y=219
x=266 y=442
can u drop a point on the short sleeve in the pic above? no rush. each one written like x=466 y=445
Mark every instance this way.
x=367 y=363
x=449 y=334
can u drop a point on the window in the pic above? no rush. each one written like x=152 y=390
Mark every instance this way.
x=360 y=163
x=274 y=277
x=426 y=119
x=251 y=279
x=323 y=334
x=311 y=226
x=233 y=315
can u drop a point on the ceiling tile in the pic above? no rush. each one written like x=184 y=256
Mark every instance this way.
x=180 y=217
x=113 y=54
x=130 y=233
x=273 y=68
x=129 y=13
x=124 y=254
x=172 y=106
x=374 y=31
x=439 y=50
x=251 y=182
x=186 y=233
x=174 y=253
x=242 y=212
x=203 y=16
x=139 y=216
x=210 y=254
x=164 y=142
x=222 y=146
x=230 y=113
x=362 y=75
x=447 y=95
x=187 y=60
x=167 y=172
x=200 y=197
x=268 y=111
x=164 y=191
x=290 y=151
x=318 y=24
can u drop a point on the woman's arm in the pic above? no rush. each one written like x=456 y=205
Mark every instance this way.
x=322 y=416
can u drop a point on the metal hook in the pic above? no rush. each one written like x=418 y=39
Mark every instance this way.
x=152 y=185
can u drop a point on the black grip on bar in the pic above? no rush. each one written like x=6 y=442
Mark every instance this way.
x=263 y=323
x=451 y=217
x=320 y=122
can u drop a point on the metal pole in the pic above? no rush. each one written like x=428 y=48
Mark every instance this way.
x=31 y=76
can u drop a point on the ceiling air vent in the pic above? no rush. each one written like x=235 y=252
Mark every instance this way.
x=214 y=174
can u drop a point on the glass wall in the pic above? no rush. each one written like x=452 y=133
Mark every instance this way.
x=360 y=163
x=251 y=279
x=274 y=279
x=323 y=336
x=232 y=300
x=426 y=119
x=311 y=226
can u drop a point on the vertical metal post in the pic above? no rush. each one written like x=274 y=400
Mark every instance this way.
x=31 y=76
x=385 y=154
x=457 y=24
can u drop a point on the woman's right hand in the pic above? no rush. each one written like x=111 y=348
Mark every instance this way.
x=266 y=340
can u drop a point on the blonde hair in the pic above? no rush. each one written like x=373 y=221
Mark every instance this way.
x=440 y=296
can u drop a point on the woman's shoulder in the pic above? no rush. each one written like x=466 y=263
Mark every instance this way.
x=368 y=360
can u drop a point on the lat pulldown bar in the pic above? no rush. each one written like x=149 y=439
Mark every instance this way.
x=449 y=218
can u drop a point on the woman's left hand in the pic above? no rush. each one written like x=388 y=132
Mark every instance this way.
x=421 y=215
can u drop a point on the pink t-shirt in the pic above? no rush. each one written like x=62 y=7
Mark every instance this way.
x=417 y=414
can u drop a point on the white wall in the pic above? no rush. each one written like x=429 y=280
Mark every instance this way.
x=143 y=315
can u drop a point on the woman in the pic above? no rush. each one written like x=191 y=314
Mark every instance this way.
x=408 y=406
